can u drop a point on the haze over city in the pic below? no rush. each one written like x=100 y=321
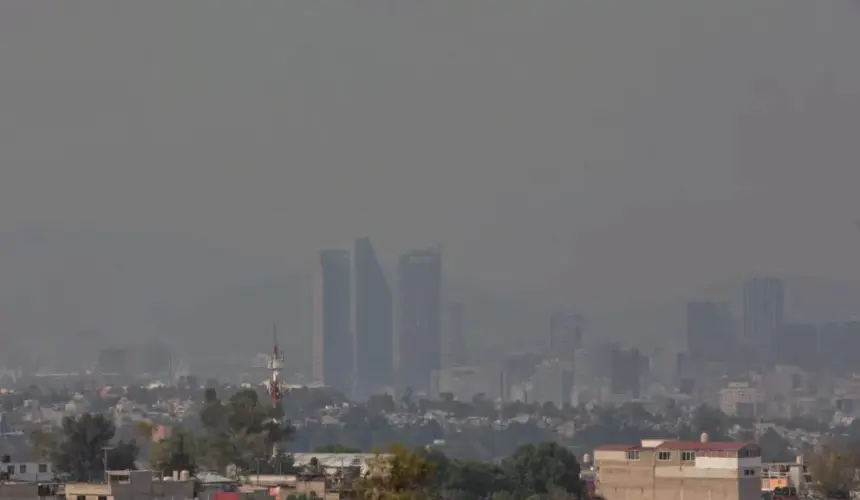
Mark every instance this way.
x=599 y=156
x=453 y=250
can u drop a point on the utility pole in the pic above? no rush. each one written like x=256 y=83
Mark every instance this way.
x=105 y=449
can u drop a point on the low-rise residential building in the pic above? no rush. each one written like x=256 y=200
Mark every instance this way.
x=12 y=490
x=784 y=475
x=131 y=485
x=26 y=471
x=664 y=469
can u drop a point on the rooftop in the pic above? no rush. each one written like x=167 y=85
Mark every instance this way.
x=650 y=444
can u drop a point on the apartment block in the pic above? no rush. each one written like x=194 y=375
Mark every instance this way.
x=741 y=399
x=663 y=470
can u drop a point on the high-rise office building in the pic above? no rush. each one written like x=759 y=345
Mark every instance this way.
x=625 y=371
x=373 y=322
x=553 y=382
x=420 y=294
x=453 y=336
x=764 y=302
x=565 y=334
x=333 y=340
x=710 y=331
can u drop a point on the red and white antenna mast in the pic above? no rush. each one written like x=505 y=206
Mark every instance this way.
x=275 y=363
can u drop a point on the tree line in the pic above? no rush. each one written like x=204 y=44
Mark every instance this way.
x=237 y=433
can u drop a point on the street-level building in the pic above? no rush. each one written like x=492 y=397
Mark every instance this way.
x=668 y=470
x=25 y=471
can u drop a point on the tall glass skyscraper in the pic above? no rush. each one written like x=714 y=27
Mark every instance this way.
x=420 y=294
x=333 y=340
x=764 y=304
x=373 y=322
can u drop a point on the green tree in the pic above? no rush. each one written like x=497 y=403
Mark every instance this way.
x=543 y=468
x=283 y=463
x=549 y=410
x=775 y=448
x=123 y=455
x=380 y=403
x=43 y=444
x=176 y=453
x=710 y=420
x=240 y=431
x=833 y=470
x=473 y=479
x=399 y=475
x=81 y=449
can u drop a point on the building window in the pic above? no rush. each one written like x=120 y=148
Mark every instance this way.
x=749 y=472
x=102 y=498
x=664 y=455
x=10 y=469
x=632 y=455
x=43 y=468
x=22 y=469
x=688 y=456
x=82 y=497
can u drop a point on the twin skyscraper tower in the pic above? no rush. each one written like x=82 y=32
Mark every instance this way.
x=367 y=338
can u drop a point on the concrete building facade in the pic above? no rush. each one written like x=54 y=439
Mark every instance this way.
x=664 y=470
x=27 y=471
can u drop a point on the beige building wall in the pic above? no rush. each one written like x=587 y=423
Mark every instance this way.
x=130 y=485
x=718 y=477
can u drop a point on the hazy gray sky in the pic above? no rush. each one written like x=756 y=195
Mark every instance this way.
x=588 y=151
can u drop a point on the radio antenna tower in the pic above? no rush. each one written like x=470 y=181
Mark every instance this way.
x=275 y=363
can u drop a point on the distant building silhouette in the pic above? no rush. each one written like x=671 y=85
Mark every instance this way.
x=710 y=331
x=553 y=382
x=372 y=322
x=420 y=294
x=454 y=336
x=626 y=367
x=333 y=340
x=764 y=304
x=565 y=334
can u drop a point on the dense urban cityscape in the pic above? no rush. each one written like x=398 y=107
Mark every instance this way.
x=390 y=368
x=434 y=250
